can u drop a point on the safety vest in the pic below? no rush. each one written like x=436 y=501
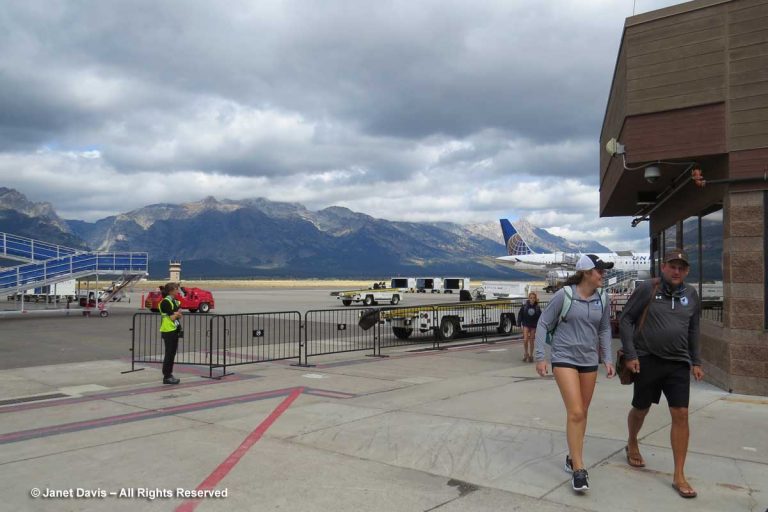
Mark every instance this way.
x=166 y=324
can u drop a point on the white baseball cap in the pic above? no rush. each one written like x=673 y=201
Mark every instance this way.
x=590 y=261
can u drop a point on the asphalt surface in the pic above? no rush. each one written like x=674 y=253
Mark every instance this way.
x=52 y=338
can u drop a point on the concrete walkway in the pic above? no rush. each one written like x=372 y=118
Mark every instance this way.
x=471 y=428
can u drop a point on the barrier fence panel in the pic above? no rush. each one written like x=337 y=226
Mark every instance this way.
x=406 y=326
x=255 y=337
x=437 y=323
x=336 y=330
x=712 y=310
x=194 y=343
x=221 y=341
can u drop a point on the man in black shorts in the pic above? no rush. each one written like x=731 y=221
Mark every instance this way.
x=660 y=336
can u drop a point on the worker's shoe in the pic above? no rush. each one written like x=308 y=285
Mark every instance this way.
x=171 y=380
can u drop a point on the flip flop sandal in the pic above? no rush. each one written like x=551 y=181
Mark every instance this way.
x=640 y=464
x=689 y=493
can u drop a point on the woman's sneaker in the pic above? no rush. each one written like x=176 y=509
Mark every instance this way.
x=580 y=480
x=568 y=464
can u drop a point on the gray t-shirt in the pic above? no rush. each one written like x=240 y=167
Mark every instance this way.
x=585 y=330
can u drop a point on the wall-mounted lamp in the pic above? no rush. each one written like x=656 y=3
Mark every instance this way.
x=613 y=147
x=652 y=174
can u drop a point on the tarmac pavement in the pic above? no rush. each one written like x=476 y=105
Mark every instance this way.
x=470 y=428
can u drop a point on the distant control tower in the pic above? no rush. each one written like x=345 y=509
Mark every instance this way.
x=174 y=271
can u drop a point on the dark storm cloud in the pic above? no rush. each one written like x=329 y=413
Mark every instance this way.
x=327 y=101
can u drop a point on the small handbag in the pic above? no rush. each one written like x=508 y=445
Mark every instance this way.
x=627 y=376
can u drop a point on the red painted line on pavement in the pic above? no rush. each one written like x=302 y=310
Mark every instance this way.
x=230 y=462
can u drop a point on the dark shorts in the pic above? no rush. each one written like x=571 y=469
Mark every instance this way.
x=658 y=375
x=580 y=369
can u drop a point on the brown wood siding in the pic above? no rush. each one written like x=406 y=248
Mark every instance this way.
x=748 y=75
x=614 y=112
x=677 y=62
x=684 y=133
x=608 y=187
x=748 y=164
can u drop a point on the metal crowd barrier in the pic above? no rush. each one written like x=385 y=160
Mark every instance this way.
x=223 y=341
x=254 y=338
x=332 y=331
x=194 y=342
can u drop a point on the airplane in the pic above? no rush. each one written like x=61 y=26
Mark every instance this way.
x=525 y=260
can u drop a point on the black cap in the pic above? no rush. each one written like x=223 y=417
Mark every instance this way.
x=676 y=255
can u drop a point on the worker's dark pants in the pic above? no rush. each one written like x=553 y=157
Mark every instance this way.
x=171 y=340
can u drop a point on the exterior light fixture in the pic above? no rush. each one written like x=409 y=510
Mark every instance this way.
x=652 y=174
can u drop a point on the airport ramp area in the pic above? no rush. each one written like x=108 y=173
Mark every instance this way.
x=48 y=264
x=465 y=428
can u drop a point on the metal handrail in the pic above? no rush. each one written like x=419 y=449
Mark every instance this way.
x=31 y=275
x=29 y=249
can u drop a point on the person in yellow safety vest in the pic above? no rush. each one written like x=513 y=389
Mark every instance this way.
x=169 y=329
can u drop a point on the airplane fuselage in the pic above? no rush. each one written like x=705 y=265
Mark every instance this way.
x=541 y=264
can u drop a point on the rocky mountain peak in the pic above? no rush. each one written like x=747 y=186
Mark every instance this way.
x=12 y=199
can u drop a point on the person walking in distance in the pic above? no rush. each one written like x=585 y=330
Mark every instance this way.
x=577 y=325
x=170 y=327
x=528 y=316
x=660 y=337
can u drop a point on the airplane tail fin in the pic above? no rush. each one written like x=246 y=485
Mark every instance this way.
x=516 y=246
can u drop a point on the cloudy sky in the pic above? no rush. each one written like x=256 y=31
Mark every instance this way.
x=430 y=110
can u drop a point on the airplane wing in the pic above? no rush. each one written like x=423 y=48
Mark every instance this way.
x=558 y=265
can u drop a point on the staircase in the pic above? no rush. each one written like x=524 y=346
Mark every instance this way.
x=50 y=264
x=618 y=280
x=19 y=248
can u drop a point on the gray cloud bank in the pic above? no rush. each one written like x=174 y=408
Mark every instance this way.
x=465 y=111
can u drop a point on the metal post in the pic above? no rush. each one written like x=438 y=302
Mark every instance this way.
x=224 y=368
x=210 y=346
x=133 y=347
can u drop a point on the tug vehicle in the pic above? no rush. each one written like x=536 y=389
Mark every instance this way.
x=449 y=320
x=191 y=299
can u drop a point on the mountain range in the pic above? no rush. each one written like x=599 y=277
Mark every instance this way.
x=262 y=238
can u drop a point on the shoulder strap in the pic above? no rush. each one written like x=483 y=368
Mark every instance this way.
x=567 y=301
x=656 y=282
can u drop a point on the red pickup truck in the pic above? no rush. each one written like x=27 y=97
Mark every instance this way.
x=193 y=299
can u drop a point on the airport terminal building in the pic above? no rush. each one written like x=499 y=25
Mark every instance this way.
x=690 y=91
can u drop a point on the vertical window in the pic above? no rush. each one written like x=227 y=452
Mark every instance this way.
x=712 y=247
x=691 y=246
x=670 y=237
x=711 y=264
x=655 y=256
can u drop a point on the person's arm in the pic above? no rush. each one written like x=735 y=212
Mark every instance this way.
x=537 y=313
x=630 y=316
x=605 y=334
x=520 y=315
x=167 y=309
x=547 y=320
